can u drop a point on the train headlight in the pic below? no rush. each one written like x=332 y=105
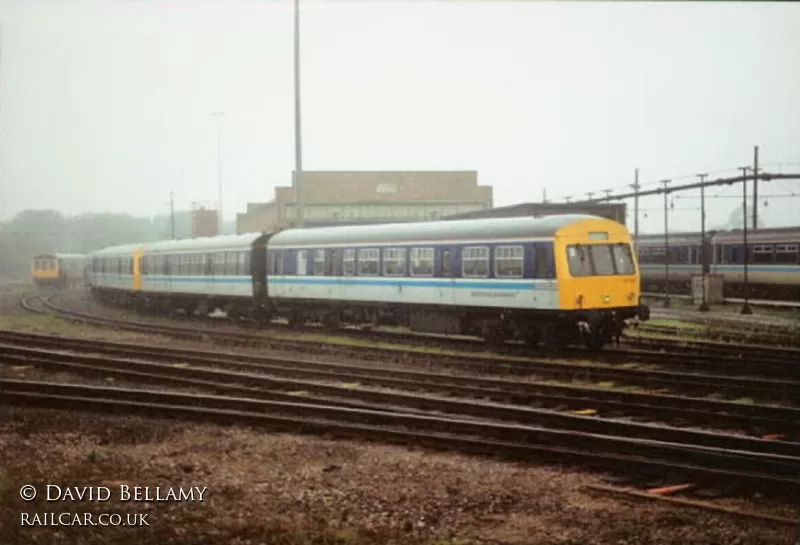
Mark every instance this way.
x=606 y=299
x=631 y=297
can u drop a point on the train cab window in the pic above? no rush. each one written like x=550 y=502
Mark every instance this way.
x=301 y=263
x=508 y=261
x=623 y=258
x=475 y=261
x=787 y=253
x=602 y=258
x=368 y=259
x=422 y=262
x=763 y=253
x=394 y=261
x=319 y=262
x=579 y=260
x=447 y=263
x=349 y=262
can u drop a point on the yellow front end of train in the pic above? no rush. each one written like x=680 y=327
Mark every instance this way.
x=45 y=270
x=597 y=268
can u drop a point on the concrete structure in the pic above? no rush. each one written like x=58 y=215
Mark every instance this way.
x=614 y=211
x=347 y=198
x=204 y=220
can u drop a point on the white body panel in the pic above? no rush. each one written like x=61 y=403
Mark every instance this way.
x=472 y=292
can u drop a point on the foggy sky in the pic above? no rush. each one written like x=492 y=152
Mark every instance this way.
x=106 y=106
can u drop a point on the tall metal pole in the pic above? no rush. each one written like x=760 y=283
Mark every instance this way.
x=172 y=212
x=636 y=187
x=218 y=116
x=746 y=308
x=755 y=189
x=299 y=188
x=666 y=246
x=703 y=244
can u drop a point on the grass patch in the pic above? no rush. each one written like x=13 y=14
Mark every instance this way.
x=676 y=324
x=48 y=323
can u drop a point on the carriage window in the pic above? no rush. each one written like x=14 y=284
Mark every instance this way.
x=349 y=261
x=475 y=261
x=319 y=262
x=447 y=263
x=421 y=261
x=218 y=267
x=394 y=261
x=231 y=262
x=368 y=259
x=301 y=263
x=335 y=264
x=277 y=263
x=508 y=261
x=541 y=264
x=763 y=254
x=787 y=253
x=244 y=263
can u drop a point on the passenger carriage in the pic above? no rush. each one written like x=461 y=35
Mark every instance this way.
x=528 y=278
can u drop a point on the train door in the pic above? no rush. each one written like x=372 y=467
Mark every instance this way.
x=447 y=264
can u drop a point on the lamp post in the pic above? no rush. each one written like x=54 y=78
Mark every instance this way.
x=218 y=117
x=299 y=188
x=635 y=188
x=746 y=307
x=703 y=246
x=666 y=246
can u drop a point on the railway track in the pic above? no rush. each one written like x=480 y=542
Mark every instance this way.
x=733 y=387
x=736 y=359
x=281 y=378
x=746 y=470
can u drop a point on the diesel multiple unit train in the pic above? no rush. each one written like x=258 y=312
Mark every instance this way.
x=58 y=270
x=773 y=261
x=567 y=279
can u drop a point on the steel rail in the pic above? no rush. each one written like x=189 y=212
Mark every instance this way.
x=765 y=472
x=266 y=378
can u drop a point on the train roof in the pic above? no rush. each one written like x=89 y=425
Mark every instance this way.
x=122 y=250
x=676 y=238
x=222 y=243
x=431 y=231
x=785 y=234
x=61 y=256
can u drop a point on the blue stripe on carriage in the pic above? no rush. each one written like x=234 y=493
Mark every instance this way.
x=520 y=285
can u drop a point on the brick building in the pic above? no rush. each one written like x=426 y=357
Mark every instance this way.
x=346 y=198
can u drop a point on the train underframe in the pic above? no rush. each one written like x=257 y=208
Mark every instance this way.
x=553 y=329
